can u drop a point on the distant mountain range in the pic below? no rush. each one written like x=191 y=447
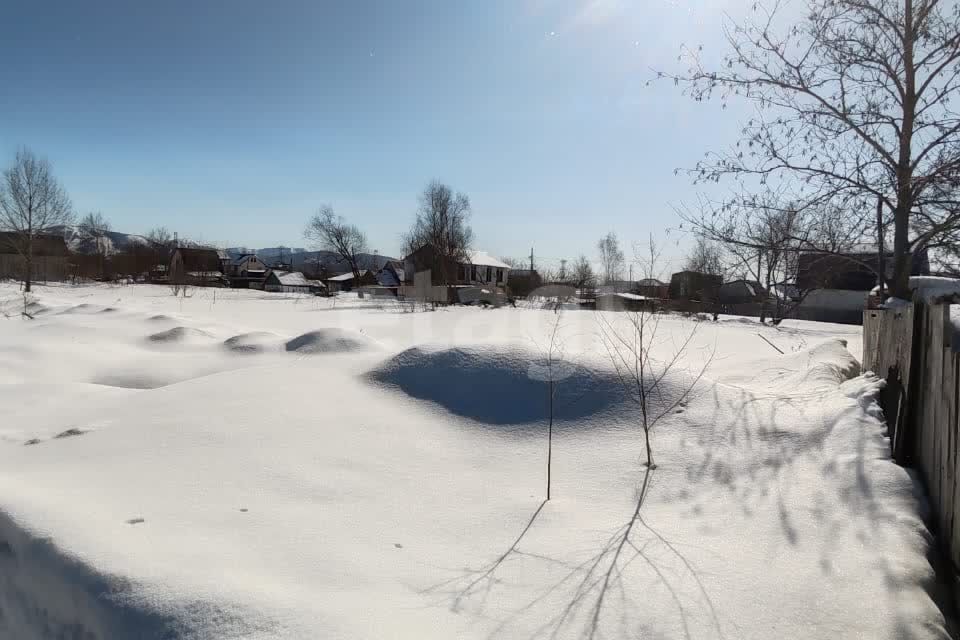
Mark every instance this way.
x=301 y=259
x=83 y=241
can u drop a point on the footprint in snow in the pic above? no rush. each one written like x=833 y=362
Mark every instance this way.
x=398 y=545
x=243 y=510
x=135 y=520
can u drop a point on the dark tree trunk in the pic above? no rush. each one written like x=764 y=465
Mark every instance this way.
x=28 y=265
x=900 y=284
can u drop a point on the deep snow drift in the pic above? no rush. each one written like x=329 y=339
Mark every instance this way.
x=283 y=467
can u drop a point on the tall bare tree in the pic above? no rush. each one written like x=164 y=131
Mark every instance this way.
x=611 y=258
x=160 y=236
x=95 y=224
x=854 y=106
x=333 y=233
x=32 y=201
x=443 y=223
x=648 y=258
x=705 y=257
x=581 y=275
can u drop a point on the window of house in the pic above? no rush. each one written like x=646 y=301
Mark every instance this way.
x=499 y=275
x=463 y=272
x=487 y=279
x=473 y=272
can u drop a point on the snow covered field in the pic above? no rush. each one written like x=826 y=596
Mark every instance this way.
x=247 y=465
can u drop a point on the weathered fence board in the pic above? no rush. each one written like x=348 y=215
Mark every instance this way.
x=916 y=342
x=888 y=351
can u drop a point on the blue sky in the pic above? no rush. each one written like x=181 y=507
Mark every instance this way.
x=233 y=121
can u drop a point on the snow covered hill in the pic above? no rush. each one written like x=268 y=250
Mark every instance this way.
x=80 y=240
x=238 y=464
x=301 y=259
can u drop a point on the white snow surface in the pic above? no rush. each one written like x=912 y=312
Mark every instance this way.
x=933 y=289
x=192 y=475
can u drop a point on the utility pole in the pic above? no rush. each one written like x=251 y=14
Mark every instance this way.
x=563 y=270
x=531 y=260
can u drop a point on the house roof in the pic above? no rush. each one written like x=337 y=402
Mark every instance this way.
x=752 y=285
x=343 y=277
x=294 y=279
x=650 y=282
x=239 y=260
x=625 y=296
x=484 y=259
x=43 y=244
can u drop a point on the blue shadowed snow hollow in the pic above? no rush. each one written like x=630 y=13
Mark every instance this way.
x=500 y=385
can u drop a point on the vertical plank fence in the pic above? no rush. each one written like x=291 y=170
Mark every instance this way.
x=914 y=349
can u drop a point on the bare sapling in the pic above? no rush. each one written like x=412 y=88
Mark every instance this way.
x=647 y=382
x=553 y=372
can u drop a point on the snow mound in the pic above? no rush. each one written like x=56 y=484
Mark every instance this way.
x=821 y=368
x=253 y=342
x=331 y=340
x=135 y=379
x=83 y=307
x=160 y=318
x=499 y=385
x=180 y=335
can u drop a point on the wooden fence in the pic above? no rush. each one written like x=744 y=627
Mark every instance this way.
x=913 y=348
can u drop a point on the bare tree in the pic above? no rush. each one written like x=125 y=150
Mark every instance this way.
x=32 y=201
x=95 y=224
x=581 y=275
x=333 y=233
x=705 y=257
x=611 y=258
x=854 y=106
x=648 y=257
x=160 y=236
x=442 y=223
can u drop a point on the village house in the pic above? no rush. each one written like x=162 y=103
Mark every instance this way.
x=652 y=288
x=50 y=257
x=693 y=285
x=391 y=275
x=197 y=267
x=435 y=279
x=479 y=268
x=741 y=292
x=346 y=281
x=836 y=287
x=852 y=271
x=245 y=271
x=291 y=282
